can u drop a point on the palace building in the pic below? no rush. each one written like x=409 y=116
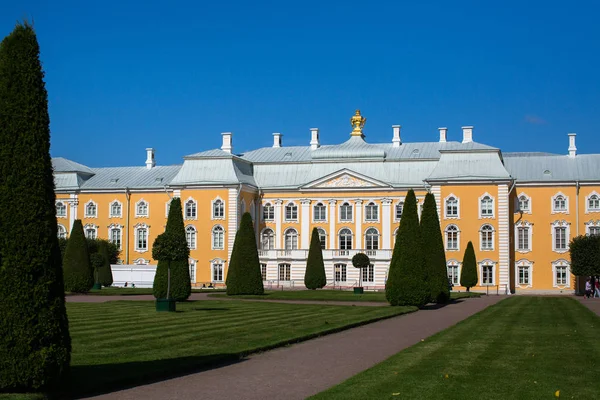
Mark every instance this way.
x=520 y=210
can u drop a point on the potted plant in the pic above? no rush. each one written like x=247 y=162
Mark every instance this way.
x=167 y=248
x=360 y=261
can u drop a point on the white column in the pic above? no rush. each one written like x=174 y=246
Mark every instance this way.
x=358 y=224
x=386 y=223
x=232 y=221
x=278 y=224
x=304 y=223
x=73 y=210
x=503 y=239
x=332 y=218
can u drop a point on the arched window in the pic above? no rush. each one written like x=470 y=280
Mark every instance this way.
x=487 y=237
x=291 y=212
x=345 y=239
x=319 y=212
x=398 y=213
x=451 y=207
x=346 y=212
x=451 y=237
x=487 y=206
x=61 y=232
x=560 y=203
x=115 y=209
x=453 y=272
x=218 y=209
x=372 y=239
x=61 y=209
x=190 y=209
x=141 y=242
x=523 y=203
x=267 y=239
x=594 y=203
x=218 y=234
x=90 y=209
x=291 y=239
x=142 y=209
x=190 y=235
x=322 y=237
x=371 y=212
x=91 y=231
x=268 y=212
x=523 y=236
x=115 y=235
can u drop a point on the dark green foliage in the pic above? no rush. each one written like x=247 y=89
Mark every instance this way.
x=243 y=275
x=78 y=272
x=171 y=251
x=111 y=248
x=104 y=272
x=468 y=274
x=314 y=276
x=34 y=331
x=96 y=262
x=361 y=260
x=433 y=251
x=585 y=255
x=406 y=285
x=62 y=244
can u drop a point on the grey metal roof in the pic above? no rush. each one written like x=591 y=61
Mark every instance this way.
x=215 y=153
x=583 y=167
x=67 y=181
x=528 y=154
x=210 y=171
x=466 y=166
x=60 y=164
x=355 y=147
x=131 y=177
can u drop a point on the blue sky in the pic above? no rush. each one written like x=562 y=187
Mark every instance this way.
x=126 y=75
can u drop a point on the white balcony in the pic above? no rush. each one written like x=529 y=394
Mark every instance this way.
x=335 y=254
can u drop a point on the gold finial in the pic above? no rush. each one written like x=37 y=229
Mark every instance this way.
x=358 y=122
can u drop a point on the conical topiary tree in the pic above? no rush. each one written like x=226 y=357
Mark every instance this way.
x=406 y=283
x=79 y=274
x=314 y=276
x=243 y=274
x=468 y=274
x=34 y=332
x=180 y=284
x=433 y=251
x=105 y=277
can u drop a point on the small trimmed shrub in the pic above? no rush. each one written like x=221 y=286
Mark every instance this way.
x=585 y=255
x=361 y=260
x=468 y=274
x=243 y=275
x=314 y=276
x=78 y=272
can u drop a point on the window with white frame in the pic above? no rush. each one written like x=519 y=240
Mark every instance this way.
x=91 y=231
x=285 y=272
x=218 y=209
x=524 y=235
x=372 y=239
x=61 y=232
x=322 y=237
x=486 y=269
x=191 y=209
x=561 y=273
x=398 y=211
x=319 y=212
x=141 y=209
x=61 y=209
x=487 y=237
x=263 y=271
x=190 y=235
x=268 y=212
x=524 y=203
x=340 y=272
x=218 y=238
x=217 y=271
x=452 y=237
x=91 y=210
x=592 y=228
x=115 y=233
x=291 y=239
x=560 y=203
x=192 y=265
x=368 y=273
x=560 y=236
x=141 y=238
x=116 y=209
x=453 y=268
x=346 y=212
x=593 y=203
x=524 y=273
x=345 y=238
x=486 y=206
x=267 y=239
x=291 y=212
x=451 y=207
x=371 y=212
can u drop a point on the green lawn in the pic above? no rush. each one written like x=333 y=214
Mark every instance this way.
x=119 y=291
x=329 y=295
x=522 y=348
x=121 y=343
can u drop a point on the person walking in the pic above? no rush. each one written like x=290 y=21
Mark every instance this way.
x=588 y=288
x=597 y=288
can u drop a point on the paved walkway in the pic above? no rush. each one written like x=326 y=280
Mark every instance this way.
x=592 y=304
x=307 y=368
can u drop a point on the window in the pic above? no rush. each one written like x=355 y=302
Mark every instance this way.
x=217 y=271
x=524 y=273
x=346 y=212
x=319 y=212
x=561 y=275
x=594 y=230
x=192 y=265
x=524 y=203
x=487 y=206
x=559 y=203
x=593 y=203
x=368 y=274
x=218 y=235
x=340 y=272
x=61 y=232
x=291 y=239
x=115 y=209
x=263 y=271
x=190 y=209
x=91 y=210
x=141 y=209
x=398 y=213
x=267 y=239
x=523 y=238
x=284 y=272
x=190 y=235
x=487 y=237
x=451 y=237
x=115 y=237
x=487 y=273
x=218 y=211
x=453 y=272
x=451 y=207
x=61 y=209
x=561 y=272
x=371 y=212
x=90 y=232
x=141 y=243
x=345 y=239
x=268 y=212
x=291 y=212
x=560 y=236
x=322 y=238
x=372 y=239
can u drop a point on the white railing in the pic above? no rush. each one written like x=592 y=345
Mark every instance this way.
x=335 y=254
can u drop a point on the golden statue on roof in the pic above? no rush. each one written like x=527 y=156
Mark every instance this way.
x=358 y=122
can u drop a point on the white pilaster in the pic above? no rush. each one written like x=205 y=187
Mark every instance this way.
x=278 y=224
x=73 y=210
x=332 y=217
x=503 y=239
x=358 y=224
x=437 y=193
x=232 y=221
x=304 y=223
x=386 y=223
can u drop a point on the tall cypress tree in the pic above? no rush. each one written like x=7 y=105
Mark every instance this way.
x=34 y=332
x=181 y=286
x=433 y=251
x=468 y=275
x=406 y=283
x=243 y=274
x=77 y=267
x=314 y=276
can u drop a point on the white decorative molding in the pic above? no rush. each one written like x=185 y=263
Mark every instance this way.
x=345 y=178
x=352 y=211
x=456 y=266
x=140 y=212
x=90 y=210
x=90 y=227
x=332 y=223
x=592 y=203
x=450 y=228
x=232 y=221
x=136 y=227
x=214 y=212
x=553 y=207
x=190 y=209
x=292 y=205
x=524 y=225
x=503 y=237
x=560 y=224
x=115 y=209
x=446 y=214
x=480 y=204
x=358 y=227
x=481 y=233
x=345 y=181
x=61 y=208
x=305 y=223
x=371 y=203
x=319 y=204
x=216 y=230
x=118 y=227
x=592 y=224
x=528 y=199
x=524 y=263
x=386 y=223
x=141 y=261
x=561 y=263
x=493 y=264
x=400 y=202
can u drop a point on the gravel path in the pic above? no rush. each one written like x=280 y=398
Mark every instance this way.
x=307 y=368
x=593 y=304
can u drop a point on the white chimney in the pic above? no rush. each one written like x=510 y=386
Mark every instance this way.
x=150 y=163
x=467 y=134
x=443 y=133
x=277 y=139
x=314 y=138
x=572 y=148
x=396 y=141
x=227 y=145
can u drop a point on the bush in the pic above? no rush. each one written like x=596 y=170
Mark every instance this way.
x=361 y=260
x=433 y=251
x=96 y=261
x=406 y=285
x=111 y=249
x=314 y=276
x=243 y=275
x=62 y=245
x=35 y=345
x=468 y=275
x=585 y=255
x=105 y=277
x=78 y=272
